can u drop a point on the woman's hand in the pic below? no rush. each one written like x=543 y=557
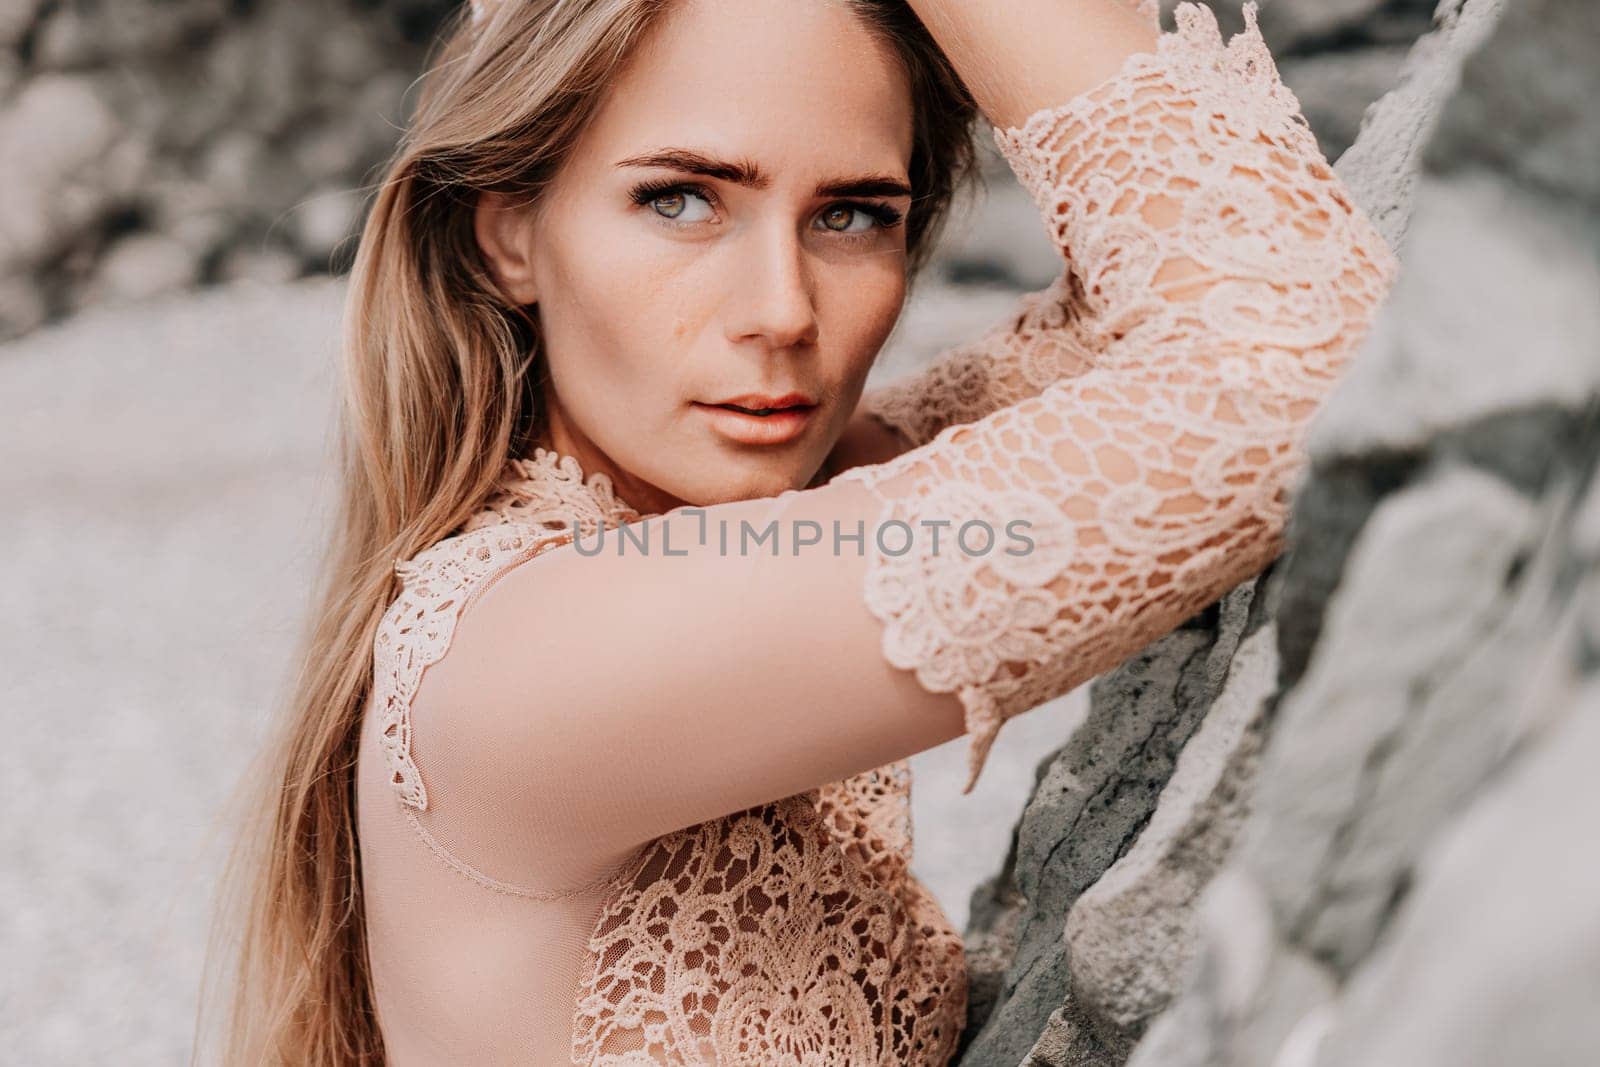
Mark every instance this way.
x=1017 y=56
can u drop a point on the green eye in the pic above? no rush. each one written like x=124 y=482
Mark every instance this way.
x=872 y=217
x=670 y=200
x=834 y=214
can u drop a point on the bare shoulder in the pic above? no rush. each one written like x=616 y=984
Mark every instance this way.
x=420 y=640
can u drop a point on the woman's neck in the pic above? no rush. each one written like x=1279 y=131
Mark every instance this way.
x=554 y=434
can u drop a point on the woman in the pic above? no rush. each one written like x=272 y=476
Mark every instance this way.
x=628 y=274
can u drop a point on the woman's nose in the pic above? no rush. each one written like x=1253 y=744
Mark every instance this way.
x=773 y=299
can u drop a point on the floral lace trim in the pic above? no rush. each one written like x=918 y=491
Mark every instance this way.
x=536 y=507
x=550 y=490
x=1240 y=74
x=415 y=632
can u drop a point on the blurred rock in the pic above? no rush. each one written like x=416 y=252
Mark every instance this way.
x=1335 y=89
x=204 y=122
x=1295 y=27
x=322 y=221
x=17 y=17
x=1527 y=106
x=142 y=266
x=261 y=265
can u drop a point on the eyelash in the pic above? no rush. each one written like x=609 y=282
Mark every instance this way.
x=886 y=217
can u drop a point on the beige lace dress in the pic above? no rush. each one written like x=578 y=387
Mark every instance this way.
x=653 y=808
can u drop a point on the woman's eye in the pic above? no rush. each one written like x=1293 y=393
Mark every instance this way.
x=849 y=215
x=674 y=205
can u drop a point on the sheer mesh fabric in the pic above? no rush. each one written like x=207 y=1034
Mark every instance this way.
x=652 y=807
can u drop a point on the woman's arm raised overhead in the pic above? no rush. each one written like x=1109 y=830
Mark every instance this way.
x=1051 y=333
x=1218 y=275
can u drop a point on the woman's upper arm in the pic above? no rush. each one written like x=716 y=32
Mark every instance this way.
x=592 y=702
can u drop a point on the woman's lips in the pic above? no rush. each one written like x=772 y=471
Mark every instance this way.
x=773 y=429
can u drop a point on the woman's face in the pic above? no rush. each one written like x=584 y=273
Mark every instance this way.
x=730 y=227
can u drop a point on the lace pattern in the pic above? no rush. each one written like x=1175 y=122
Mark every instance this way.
x=1040 y=342
x=730 y=935
x=540 y=501
x=1148 y=488
x=758 y=939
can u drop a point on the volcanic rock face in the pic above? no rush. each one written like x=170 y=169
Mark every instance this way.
x=1340 y=819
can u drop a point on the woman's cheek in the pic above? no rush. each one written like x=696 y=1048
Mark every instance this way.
x=864 y=311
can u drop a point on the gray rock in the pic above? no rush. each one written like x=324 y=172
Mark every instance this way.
x=51 y=136
x=1526 y=105
x=1384 y=165
x=260 y=265
x=323 y=220
x=1436 y=624
x=1091 y=804
x=67 y=40
x=111 y=117
x=16 y=19
x=1493 y=311
x=143 y=266
x=1288 y=25
x=1495 y=958
x=1249 y=995
x=1130 y=936
x=1393 y=724
x=1336 y=88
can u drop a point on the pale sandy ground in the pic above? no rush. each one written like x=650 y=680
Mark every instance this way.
x=163 y=471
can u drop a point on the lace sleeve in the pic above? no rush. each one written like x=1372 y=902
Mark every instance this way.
x=1048 y=335
x=1218 y=276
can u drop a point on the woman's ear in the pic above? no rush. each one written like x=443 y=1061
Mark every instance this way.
x=505 y=235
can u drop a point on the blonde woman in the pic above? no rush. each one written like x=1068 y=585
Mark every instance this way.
x=639 y=605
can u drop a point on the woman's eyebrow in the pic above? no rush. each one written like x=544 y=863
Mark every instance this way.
x=749 y=174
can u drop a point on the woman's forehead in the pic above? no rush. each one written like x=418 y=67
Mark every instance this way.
x=788 y=83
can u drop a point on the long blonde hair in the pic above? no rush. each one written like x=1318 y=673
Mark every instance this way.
x=438 y=391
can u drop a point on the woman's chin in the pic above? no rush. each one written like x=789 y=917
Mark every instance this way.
x=750 y=480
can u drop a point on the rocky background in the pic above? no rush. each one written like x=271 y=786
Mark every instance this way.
x=1345 y=817
x=146 y=147
x=1340 y=818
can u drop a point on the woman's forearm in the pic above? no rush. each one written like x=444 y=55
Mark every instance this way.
x=1017 y=56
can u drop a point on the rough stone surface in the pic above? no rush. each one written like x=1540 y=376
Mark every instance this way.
x=1130 y=935
x=1336 y=88
x=1369 y=850
x=1092 y=801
